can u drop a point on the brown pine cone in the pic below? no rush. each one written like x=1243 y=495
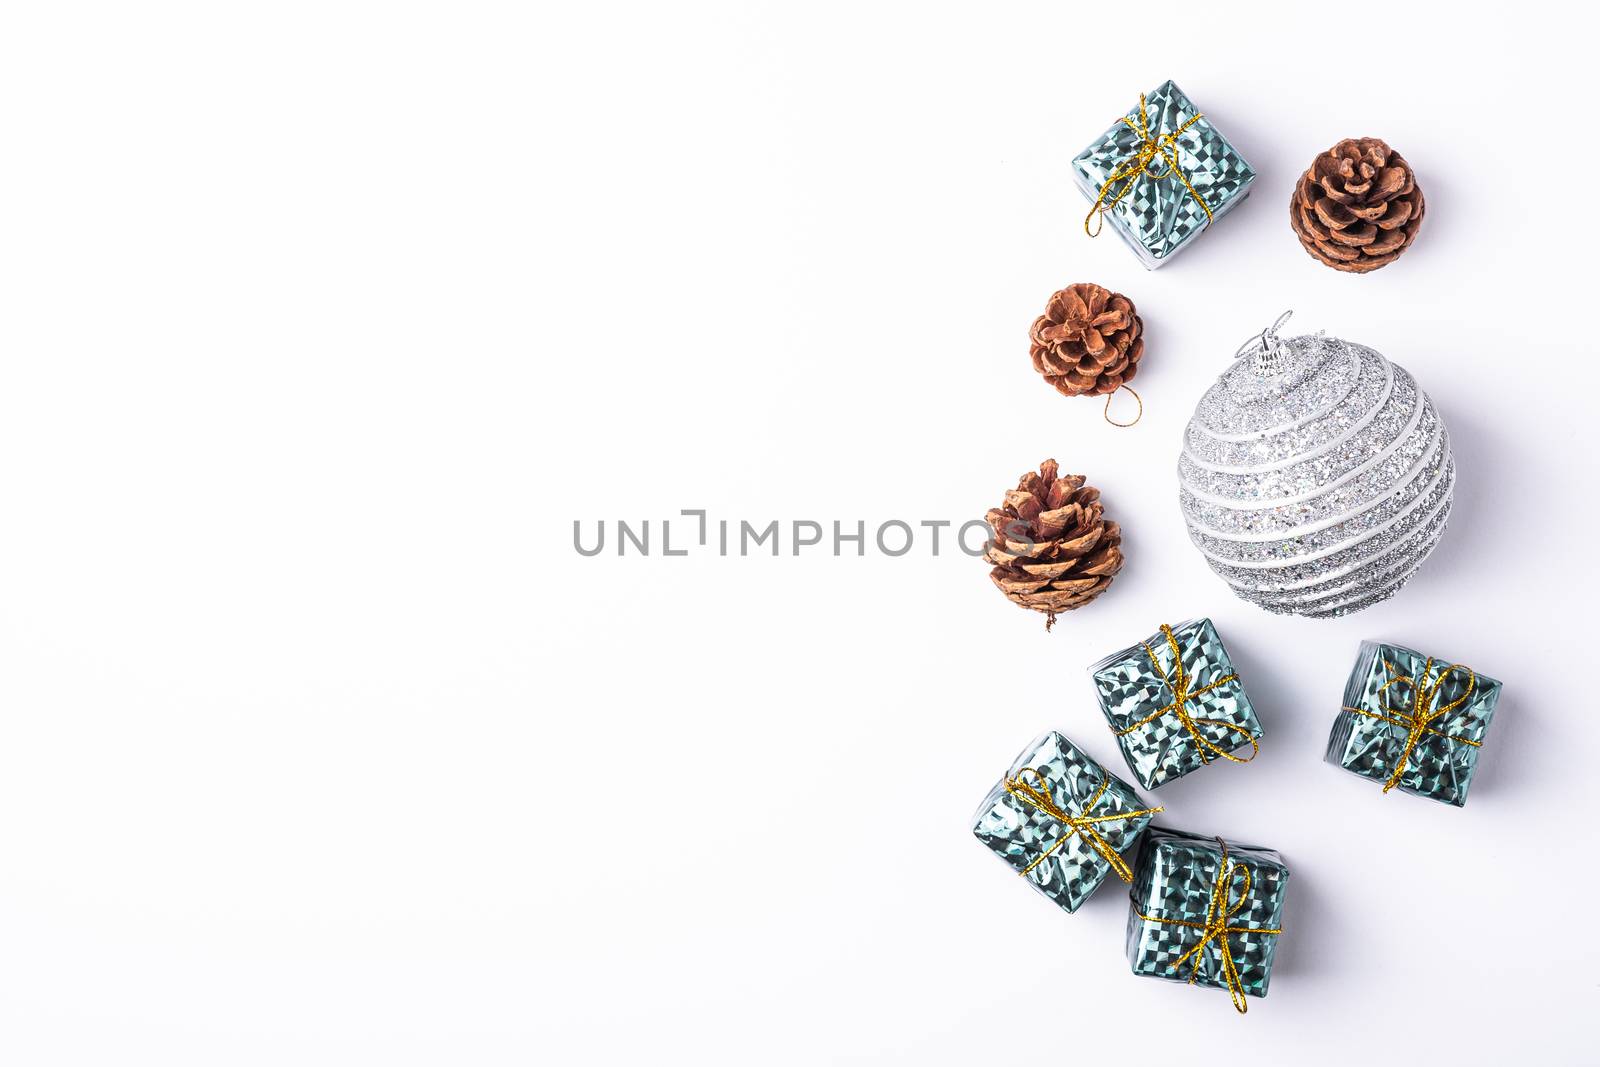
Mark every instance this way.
x=1088 y=340
x=1358 y=206
x=1053 y=548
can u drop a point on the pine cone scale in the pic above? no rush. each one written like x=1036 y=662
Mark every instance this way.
x=1394 y=217
x=1391 y=241
x=1048 y=570
x=1356 y=236
x=1010 y=583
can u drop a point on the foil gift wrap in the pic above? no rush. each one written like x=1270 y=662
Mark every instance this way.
x=1162 y=174
x=1206 y=912
x=1175 y=703
x=1413 y=722
x=1061 y=821
x=1316 y=476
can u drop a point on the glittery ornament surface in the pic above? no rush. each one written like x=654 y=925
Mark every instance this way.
x=1394 y=686
x=1133 y=685
x=1317 y=483
x=1021 y=833
x=1174 y=879
x=1159 y=215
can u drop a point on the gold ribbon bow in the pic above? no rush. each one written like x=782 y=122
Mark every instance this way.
x=1039 y=797
x=1421 y=716
x=1181 y=695
x=1216 y=929
x=1149 y=151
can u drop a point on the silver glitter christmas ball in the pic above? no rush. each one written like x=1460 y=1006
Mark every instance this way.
x=1316 y=475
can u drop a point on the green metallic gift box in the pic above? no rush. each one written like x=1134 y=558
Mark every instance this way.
x=1061 y=821
x=1175 y=703
x=1206 y=912
x=1162 y=174
x=1413 y=722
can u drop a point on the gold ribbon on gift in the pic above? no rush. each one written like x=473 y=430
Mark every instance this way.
x=1150 y=149
x=1421 y=716
x=1178 y=683
x=1038 y=797
x=1215 y=929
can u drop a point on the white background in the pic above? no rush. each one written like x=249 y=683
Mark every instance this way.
x=323 y=322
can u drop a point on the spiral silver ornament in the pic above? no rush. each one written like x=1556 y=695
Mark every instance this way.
x=1316 y=476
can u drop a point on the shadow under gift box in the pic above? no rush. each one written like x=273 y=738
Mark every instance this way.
x=1413 y=722
x=1206 y=912
x=1175 y=703
x=1166 y=174
x=1061 y=821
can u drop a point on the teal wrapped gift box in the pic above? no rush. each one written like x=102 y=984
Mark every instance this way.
x=1061 y=821
x=1207 y=912
x=1175 y=703
x=1413 y=722
x=1161 y=174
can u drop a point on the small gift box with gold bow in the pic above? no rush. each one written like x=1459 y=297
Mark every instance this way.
x=1061 y=821
x=1176 y=704
x=1161 y=175
x=1413 y=721
x=1207 y=912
